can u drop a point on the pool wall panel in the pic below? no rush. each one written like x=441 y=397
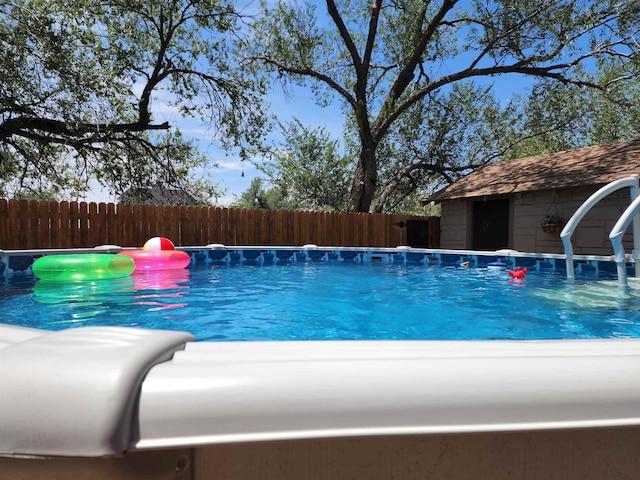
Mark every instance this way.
x=20 y=261
x=592 y=454
x=546 y=455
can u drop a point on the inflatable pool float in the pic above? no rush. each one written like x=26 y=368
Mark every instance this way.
x=158 y=243
x=158 y=253
x=82 y=266
x=157 y=259
x=518 y=273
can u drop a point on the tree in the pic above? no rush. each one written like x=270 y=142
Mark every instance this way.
x=257 y=197
x=306 y=172
x=308 y=168
x=440 y=139
x=80 y=79
x=557 y=117
x=385 y=64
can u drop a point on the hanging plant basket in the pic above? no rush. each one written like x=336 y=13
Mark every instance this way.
x=553 y=222
x=554 y=228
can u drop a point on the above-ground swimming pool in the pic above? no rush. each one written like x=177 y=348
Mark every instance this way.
x=353 y=296
x=546 y=355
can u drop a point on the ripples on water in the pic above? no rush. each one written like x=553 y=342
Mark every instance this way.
x=320 y=301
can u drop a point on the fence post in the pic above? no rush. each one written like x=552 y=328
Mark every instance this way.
x=4 y=224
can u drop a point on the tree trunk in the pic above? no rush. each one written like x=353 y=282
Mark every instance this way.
x=365 y=176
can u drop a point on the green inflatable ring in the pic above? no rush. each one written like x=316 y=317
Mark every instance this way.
x=82 y=266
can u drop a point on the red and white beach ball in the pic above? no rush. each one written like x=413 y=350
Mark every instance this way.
x=158 y=243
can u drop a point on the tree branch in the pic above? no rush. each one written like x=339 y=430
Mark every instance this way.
x=281 y=66
x=28 y=126
x=541 y=72
x=373 y=30
x=406 y=74
x=346 y=37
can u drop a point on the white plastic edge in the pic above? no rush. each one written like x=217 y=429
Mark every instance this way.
x=74 y=392
x=244 y=392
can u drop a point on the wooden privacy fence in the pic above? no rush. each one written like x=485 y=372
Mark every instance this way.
x=29 y=224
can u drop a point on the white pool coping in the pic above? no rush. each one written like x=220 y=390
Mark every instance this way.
x=246 y=392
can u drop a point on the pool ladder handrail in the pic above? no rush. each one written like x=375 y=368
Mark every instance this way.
x=618 y=230
x=631 y=214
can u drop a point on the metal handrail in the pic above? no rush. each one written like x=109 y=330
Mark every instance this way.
x=631 y=181
x=632 y=213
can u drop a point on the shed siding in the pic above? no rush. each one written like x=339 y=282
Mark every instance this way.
x=454 y=224
x=529 y=208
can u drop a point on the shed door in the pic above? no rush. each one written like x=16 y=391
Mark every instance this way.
x=490 y=224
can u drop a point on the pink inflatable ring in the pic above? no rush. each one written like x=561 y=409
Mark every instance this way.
x=146 y=260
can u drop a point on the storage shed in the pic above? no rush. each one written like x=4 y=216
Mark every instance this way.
x=505 y=204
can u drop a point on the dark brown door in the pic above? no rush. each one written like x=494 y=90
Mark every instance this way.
x=490 y=224
x=418 y=233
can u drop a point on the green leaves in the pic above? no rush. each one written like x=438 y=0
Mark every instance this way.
x=88 y=81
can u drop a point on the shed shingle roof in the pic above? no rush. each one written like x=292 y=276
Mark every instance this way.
x=596 y=165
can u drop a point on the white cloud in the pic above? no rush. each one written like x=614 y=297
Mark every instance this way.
x=232 y=165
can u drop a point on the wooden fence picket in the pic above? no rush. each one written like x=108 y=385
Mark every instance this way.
x=44 y=230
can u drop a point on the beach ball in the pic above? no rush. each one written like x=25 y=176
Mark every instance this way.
x=158 y=243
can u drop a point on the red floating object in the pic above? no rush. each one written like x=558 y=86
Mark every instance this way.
x=518 y=272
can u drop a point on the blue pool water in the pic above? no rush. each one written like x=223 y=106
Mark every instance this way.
x=332 y=301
